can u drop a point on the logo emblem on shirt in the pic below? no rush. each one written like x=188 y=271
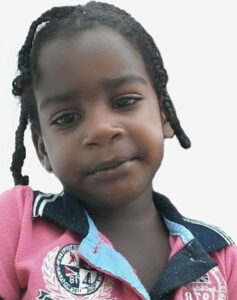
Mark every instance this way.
x=76 y=276
x=210 y=286
x=68 y=277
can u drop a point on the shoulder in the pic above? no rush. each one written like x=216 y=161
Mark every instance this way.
x=227 y=257
x=18 y=193
x=17 y=197
x=15 y=218
x=15 y=205
x=227 y=264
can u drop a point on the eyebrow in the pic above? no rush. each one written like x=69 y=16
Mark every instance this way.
x=57 y=98
x=118 y=81
x=108 y=83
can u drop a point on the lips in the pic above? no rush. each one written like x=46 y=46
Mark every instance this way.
x=109 y=164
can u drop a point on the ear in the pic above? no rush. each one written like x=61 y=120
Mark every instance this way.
x=41 y=150
x=167 y=129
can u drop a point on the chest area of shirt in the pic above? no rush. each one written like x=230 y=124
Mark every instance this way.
x=62 y=273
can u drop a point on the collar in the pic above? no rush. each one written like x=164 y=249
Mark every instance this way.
x=68 y=212
x=210 y=237
x=63 y=210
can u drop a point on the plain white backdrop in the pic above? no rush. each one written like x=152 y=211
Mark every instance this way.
x=197 y=40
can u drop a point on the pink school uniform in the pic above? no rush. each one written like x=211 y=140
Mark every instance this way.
x=51 y=249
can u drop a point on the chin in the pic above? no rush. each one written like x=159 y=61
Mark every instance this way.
x=112 y=194
x=112 y=199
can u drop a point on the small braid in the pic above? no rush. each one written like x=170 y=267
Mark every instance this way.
x=161 y=80
x=20 y=151
x=174 y=121
x=61 y=21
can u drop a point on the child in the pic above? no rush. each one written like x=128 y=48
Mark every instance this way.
x=93 y=86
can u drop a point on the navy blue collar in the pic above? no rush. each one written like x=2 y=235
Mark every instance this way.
x=210 y=237
x=68 y=212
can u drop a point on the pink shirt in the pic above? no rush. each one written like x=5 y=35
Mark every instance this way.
x=41 y=260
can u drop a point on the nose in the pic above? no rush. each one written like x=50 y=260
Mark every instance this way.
x=101 y=129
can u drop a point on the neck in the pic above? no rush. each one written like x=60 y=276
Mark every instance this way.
x=134 y=210
x=139 y=212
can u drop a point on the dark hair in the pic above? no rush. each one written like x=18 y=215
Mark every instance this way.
x=68 y=20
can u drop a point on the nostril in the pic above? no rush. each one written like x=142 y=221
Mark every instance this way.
x=102 y=135
x=116 y=135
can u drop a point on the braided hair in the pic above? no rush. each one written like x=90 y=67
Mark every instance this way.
x=68 y=20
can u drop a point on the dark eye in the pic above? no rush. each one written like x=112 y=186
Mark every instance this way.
x=66 y=119
x=126 y=101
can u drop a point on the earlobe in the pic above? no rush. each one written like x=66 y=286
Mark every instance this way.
x=167 y=129
x=41 y=151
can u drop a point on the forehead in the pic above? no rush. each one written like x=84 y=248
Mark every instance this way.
x=87 y=55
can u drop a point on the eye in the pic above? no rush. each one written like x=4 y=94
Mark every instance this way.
x=65 y=119
x=126 y=101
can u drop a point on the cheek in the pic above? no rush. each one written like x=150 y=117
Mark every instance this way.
x=151 y=125
x=150 y=120
x=155 y=142
x=151 y=142
x=59 y=154
x=154 y=137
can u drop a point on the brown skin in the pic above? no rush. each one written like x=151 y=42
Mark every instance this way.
x=105 y=115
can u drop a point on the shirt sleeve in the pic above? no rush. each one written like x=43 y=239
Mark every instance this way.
x=10 y=229
x=231 y=264
x=227 y=262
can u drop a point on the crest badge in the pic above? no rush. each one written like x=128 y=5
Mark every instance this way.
x=76 y=276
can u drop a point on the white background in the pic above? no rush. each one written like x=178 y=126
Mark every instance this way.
x=198 y=42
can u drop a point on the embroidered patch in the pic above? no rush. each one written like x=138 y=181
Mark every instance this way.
x=67 y=277
x=211 y=286
x=75 y=275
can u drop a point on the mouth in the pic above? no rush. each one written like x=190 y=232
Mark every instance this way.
x=112 y=168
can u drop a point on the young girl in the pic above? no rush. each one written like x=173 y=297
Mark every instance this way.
x=93 y=86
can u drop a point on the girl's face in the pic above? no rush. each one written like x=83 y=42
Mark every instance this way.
x=102 y=131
